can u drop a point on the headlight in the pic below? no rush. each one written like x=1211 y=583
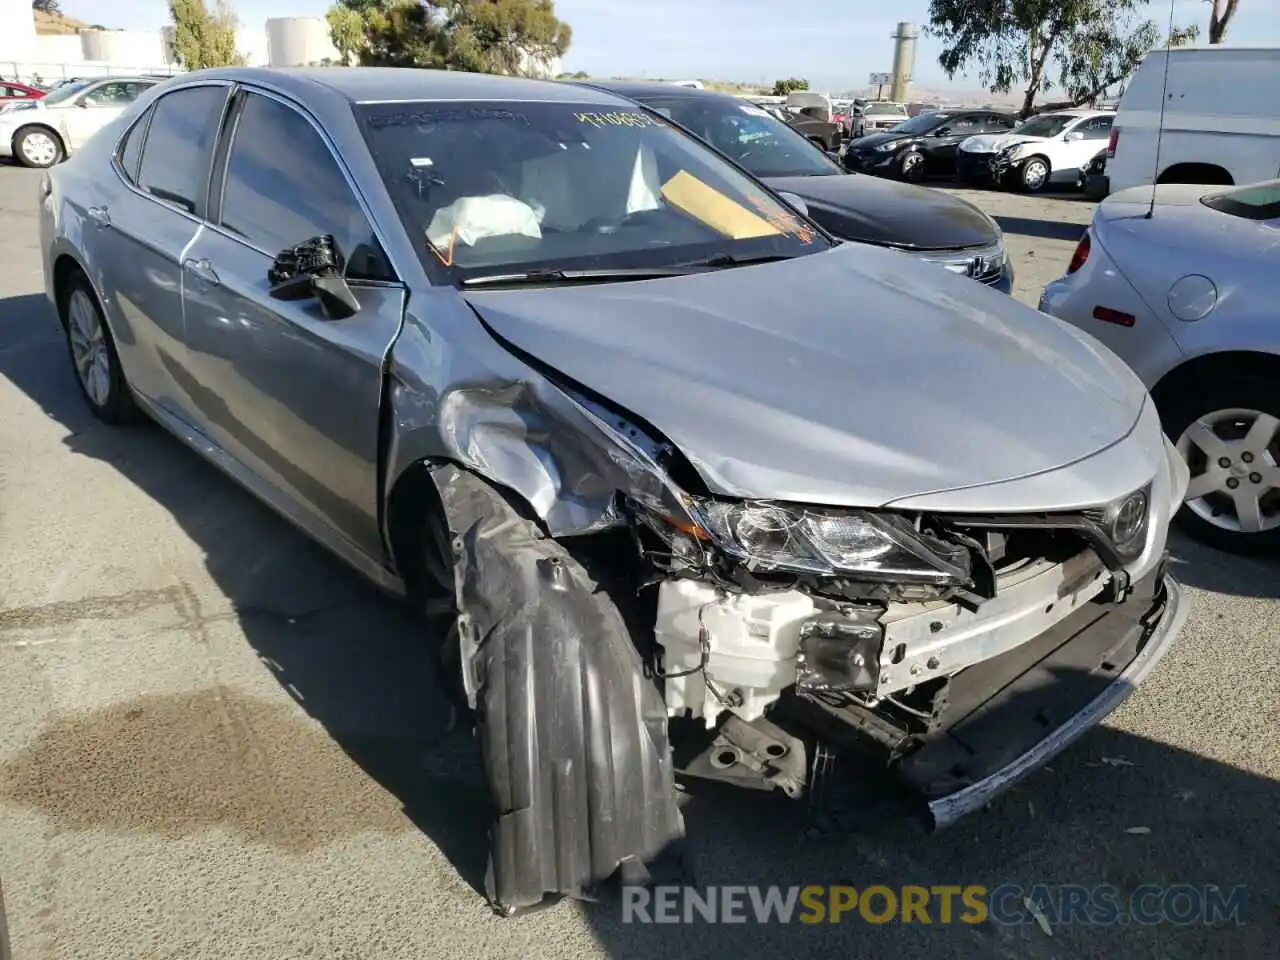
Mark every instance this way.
x=771 y=537
x=1009 y=151
x=886 y=147
x=1124 y=521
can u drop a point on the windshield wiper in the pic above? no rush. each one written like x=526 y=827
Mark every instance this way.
x=552 y=277
x=729 y=260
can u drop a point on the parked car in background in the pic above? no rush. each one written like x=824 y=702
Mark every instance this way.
x=1220 y=123
x=881 y=115
x=811 y=114
x=923 y=146
x=1095 y=176
x=928 y=224
x=39 y=133
x=688 y=471
x=1050 y=148
x=1187 y=297
x=12 y=93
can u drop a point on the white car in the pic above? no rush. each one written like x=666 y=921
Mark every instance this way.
x=1187 y=296
x=1052 y=148
x=40 y=133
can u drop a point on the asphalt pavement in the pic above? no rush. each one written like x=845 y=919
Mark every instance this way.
x=215 y=742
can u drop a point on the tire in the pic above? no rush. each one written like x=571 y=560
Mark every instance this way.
x=92 y=350
x=911 y=167
x=1229 y=409
x=37 y=147
x=1033 y=175
x=573 y=733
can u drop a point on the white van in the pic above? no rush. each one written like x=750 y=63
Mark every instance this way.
x=1221 y=119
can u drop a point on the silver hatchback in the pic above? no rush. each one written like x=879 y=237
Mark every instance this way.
x=698 y=486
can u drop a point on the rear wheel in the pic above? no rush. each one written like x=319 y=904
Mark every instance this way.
x=1229 y=435
x=93 y=354
x=572 y=731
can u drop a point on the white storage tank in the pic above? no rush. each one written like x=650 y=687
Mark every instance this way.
x=299 y=41
x=123 y=47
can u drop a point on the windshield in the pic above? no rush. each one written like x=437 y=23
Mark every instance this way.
x=762 y=144
x=871 y=109
x=1258 y=202
x=502 y=188
x=66 y=91
x=1049 y=125
x=922 y=123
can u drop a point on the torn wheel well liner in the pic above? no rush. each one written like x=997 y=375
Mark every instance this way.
x=574 y=735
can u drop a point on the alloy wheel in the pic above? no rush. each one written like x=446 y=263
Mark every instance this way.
x=1234 y=457
x=1034 y=174
x=89 y=348
x=912 y=166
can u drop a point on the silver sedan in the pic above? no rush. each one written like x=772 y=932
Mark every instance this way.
x=1183 y=285
x=695 y=484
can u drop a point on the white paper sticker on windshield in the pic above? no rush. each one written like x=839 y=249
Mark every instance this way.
x=754 y=111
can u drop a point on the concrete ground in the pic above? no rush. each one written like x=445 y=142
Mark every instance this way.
x=217 y=743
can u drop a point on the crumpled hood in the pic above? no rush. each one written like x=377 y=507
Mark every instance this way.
x=854 y=377
x=876 y=210
x=995 y=142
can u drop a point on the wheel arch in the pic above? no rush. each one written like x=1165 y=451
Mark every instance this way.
x=1220 y=364
x=1208 y=174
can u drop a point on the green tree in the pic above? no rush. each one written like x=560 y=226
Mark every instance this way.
x=782 y=87
x=1220 y=18
x=481 y=36
x=1094 y=44
x=46 y=6
x=203 y=37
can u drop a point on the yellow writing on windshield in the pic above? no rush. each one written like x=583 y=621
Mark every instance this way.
x=620 y=119
x=691 y=195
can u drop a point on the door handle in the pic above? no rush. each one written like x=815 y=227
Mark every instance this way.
x=99 y=216
x=201 y=269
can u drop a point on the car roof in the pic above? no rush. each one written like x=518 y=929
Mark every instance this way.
x=640 y=90
x=390 y=84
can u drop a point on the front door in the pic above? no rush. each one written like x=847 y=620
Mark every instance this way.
x=940 y=149
x=1072 y=156
x=293 y=395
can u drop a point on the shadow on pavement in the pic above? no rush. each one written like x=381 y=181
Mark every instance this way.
x=1202 y=566
x=1042 y=229
x=362 y=666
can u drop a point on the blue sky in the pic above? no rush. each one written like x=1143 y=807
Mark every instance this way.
x=834 y=43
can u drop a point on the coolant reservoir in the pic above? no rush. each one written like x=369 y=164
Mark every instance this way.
x=752 y=639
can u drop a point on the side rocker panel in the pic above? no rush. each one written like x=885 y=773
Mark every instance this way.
x=574 y=735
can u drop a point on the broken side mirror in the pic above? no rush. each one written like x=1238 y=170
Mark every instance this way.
x=795 y=203
x=314 y=269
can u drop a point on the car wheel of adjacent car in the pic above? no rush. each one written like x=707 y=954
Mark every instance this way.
x=1230 y=438
x=1034 y=175
x=911 y=167
x=37 y=147
x=93 y=355
x=572 y=730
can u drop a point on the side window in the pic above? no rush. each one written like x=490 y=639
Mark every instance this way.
x=284 y=187
x=998 y=122
x=175 y=161
x=1099 y=128
x=964 y=125
x=130 y=149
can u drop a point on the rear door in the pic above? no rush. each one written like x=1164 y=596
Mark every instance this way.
x=293 y=395
x=1072 y=155
x=137 y=230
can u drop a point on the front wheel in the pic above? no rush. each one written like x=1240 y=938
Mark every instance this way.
x=1229 y=434
x=911 y=167
x=37 y=147
x=1034 y=175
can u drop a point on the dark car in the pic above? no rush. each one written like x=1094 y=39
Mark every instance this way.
x=825 y=133
x=925 y=145
x=932 y=225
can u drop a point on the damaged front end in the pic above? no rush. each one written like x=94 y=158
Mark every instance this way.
x=954 y=652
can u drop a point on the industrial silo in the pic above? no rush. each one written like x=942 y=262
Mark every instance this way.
x=140 y=48
x=299 y=41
